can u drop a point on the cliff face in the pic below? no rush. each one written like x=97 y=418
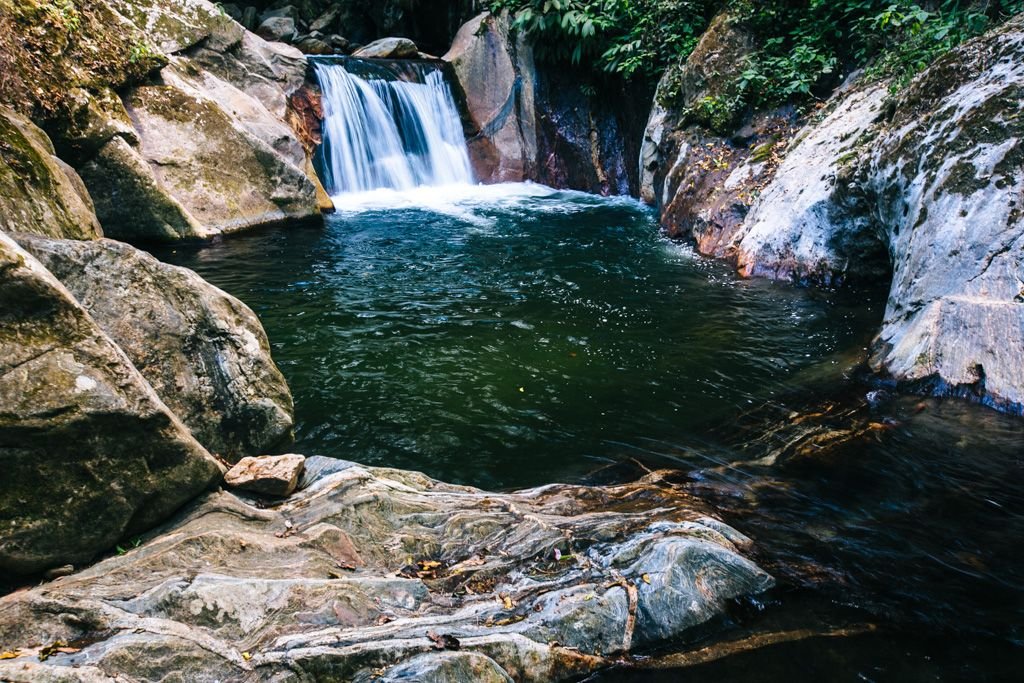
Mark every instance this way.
x=532 y=121
x=924 y=185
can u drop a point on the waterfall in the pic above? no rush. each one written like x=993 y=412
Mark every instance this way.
x=381 y=130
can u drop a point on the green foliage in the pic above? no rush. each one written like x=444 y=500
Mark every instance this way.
x=141 y=52
x=806 y=45
x=628 y=37
x=803 y=46
x=64 y=13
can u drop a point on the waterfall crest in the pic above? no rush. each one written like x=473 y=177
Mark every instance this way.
x=384 y=131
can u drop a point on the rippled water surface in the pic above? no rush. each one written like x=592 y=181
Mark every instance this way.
x=513 y=335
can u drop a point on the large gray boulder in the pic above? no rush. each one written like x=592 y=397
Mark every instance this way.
x=365 y=573
x=90 y=454
x=39 y=193
x=210 y=157
x=202 y=350
x=495 y=71
x=947 y=178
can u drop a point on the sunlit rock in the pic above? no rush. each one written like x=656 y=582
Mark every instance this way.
x=202 y=350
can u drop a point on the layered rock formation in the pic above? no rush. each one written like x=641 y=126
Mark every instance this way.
x=372 y=574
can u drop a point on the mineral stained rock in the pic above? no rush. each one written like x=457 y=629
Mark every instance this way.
x=365 y=573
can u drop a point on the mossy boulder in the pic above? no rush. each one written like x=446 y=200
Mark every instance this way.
x=800 y=228
x=203 y=351
x=155 y=173
x=48 y=49
x=89 y=452
x=40 y=194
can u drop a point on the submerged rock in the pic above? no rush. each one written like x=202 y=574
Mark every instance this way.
x=273 y=475
x=365 y=573
x=89 y=452
x=202 y=350
x=39 y=193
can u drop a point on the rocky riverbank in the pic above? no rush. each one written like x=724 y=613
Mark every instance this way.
x=372 y=574
x=921 y=186
x=128 y=386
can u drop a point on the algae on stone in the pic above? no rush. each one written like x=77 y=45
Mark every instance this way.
x=39 y=194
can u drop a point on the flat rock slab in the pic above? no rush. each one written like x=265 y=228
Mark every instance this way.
x=273 y=475
x=369 y=574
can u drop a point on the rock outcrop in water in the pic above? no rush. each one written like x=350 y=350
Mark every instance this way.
x=203 y=351
x=374 y=574
x=926 y=183
x=90 y=454
x=529 y=122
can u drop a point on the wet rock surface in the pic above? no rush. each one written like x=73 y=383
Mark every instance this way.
x=370 y=573
x=800 y=227
x=203 y=351
x=495 y=71
x=89 y=451
x=530 y=121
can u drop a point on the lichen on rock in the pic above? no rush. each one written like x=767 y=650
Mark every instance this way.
x=203 y=351
x=39 y=193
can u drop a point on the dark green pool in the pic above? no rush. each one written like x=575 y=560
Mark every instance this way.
x=514 y=335
x=518 y=339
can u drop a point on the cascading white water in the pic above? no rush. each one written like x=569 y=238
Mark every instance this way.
x=389 y=134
